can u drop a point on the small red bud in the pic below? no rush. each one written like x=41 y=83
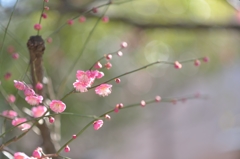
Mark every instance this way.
x=109 y=57
x=74 y=136
x=94 y=10
x=117 y=80
x=51 y=119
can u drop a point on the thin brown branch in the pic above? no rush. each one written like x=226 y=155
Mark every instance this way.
x=36 y=49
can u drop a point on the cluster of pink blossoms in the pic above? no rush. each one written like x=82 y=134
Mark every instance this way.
x=35 y=100
x=85 y=79
x=30 y=96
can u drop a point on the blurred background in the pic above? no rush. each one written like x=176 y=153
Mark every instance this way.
x=154 y=29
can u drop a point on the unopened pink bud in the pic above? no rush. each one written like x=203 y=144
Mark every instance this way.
x=67 y=148
x=37 y=27
x=51 y=119
x=94 y=10
x=197 y=62
x=7 y=76
x=117 y=80
x=15 y=56
x=70 y=22
x=157 y=98
x=98 y=65
x=108 y=65
x=116 y=109
x=109 y=57
x=119 y=53
x=124 y=45
x=39 y=86
x=100 y=75
x=46 y=1
x=205 y=59
x=143 y=103
x=97 y=124
x=82 y=19
x=107 y=117
x=74 y=136
x=49 y=40
x=105 y=19
x=44 y=15
x=177 y=65
x=46 y=8
x=120 y=106
x=36 y=153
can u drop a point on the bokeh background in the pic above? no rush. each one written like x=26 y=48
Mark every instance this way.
x=154 y=29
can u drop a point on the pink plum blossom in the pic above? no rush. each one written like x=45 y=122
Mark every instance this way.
x=9 y=113
x=38 y=111
x=19 y=85
x=18 y=121
x=20 y=155
x=34 y=99
x=97 y=124
x=29 y=92
x=85 y=79
x=57 y=106
x=103 y=90
x=79 y=86
x=11 y=98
